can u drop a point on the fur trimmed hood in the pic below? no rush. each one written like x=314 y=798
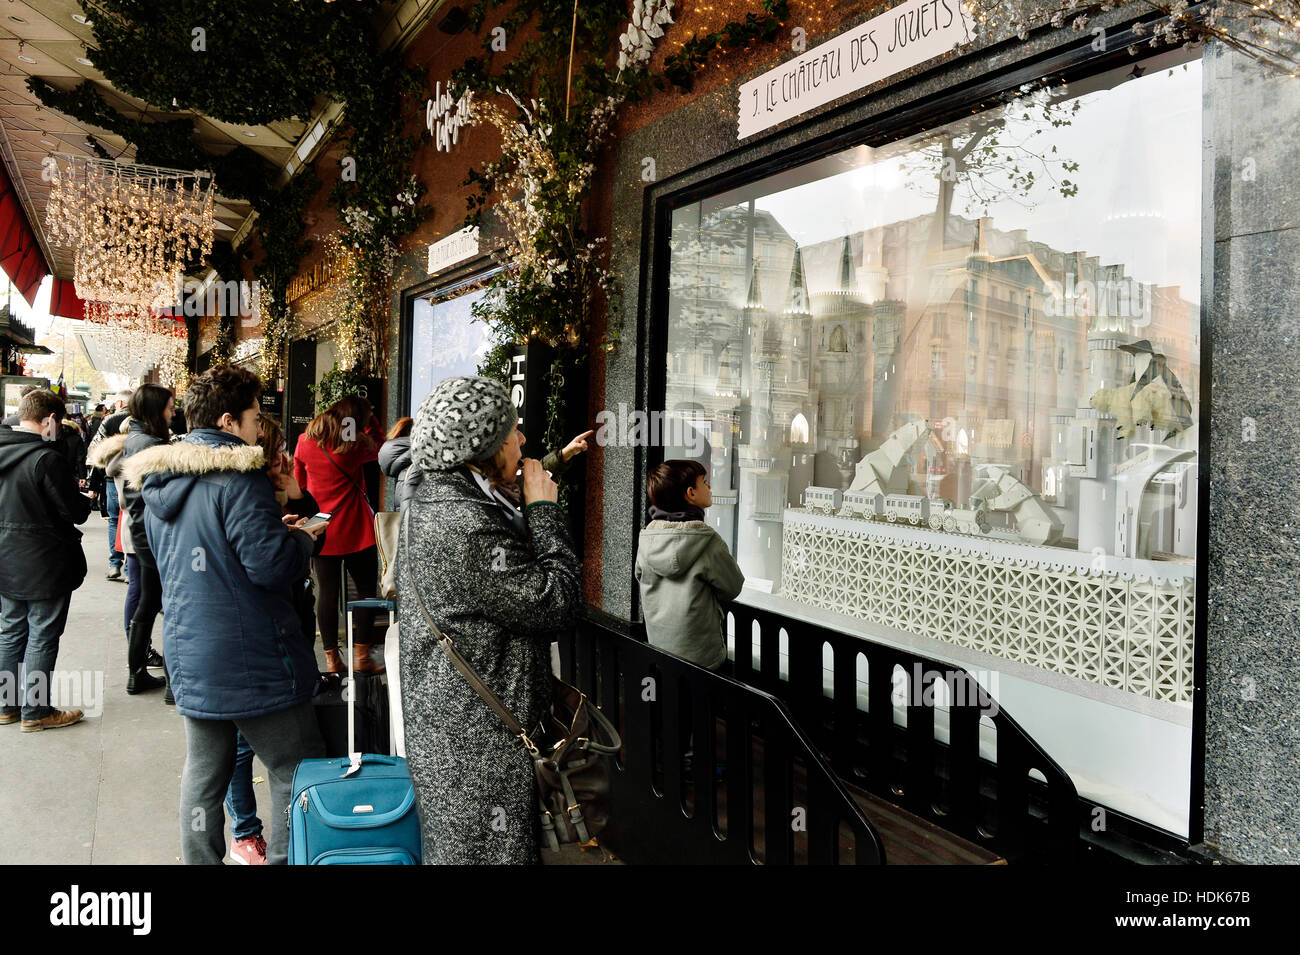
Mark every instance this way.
x=187 y=457
x=104 y=452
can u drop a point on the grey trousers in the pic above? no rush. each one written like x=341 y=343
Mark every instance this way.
x=281 y=740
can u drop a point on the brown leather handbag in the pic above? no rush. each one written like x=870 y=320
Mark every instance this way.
x=570 y=748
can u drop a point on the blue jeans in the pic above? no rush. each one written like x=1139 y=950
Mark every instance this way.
x=132 y=590
x=29 y=643
x=110 y=495
x=241 y=804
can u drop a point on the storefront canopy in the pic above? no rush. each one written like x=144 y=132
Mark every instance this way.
x=64 y=300
x=20 y=255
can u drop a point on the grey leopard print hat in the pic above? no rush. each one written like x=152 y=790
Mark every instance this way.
x=465 y=418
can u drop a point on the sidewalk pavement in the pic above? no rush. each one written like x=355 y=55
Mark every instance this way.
x=107 y=790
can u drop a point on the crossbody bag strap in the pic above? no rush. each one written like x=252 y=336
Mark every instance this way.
x=348 y=477
x=457 y=660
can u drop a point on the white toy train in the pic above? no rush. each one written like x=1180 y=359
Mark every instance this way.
x=937 y=513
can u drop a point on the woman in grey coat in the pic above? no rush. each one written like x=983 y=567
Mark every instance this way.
x=395 y=460
x=499 y=580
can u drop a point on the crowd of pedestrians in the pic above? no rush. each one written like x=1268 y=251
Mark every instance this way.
x=209 y=525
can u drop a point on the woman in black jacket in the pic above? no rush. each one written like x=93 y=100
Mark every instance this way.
x=151 y=409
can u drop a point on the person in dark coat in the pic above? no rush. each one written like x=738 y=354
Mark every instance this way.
x=499 y=579
x=151 y=410
x=235 y=651
x=41 y=561
x=110 y=426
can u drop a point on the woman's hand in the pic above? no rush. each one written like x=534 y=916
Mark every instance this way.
x=538 y=485
x=283 y=479
x=577 y=445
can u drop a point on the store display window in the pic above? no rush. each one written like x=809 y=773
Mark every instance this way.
x=951 y=386
x=445 y=340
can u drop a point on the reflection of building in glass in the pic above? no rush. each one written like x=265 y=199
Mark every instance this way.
x=819 y=353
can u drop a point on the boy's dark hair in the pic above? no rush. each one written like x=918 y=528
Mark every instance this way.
x=226 y=388
x=668 y=483
x=39 y=403
x=147 y=406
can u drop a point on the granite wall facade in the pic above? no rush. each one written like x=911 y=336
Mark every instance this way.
x=1251 y=660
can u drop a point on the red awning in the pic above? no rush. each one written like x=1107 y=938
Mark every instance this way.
x=20 y=255
x=64 y=300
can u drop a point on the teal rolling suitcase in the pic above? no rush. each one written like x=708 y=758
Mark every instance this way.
x=358 y=810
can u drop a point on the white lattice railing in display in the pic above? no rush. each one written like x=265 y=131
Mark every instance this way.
x=1047 y=607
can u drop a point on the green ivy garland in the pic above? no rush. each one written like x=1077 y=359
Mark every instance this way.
x=378 y=203
x=531 y=300
x=335 y=384
x=238 y=61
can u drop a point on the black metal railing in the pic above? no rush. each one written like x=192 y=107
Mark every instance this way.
x=1019 y=803
x=753 y=789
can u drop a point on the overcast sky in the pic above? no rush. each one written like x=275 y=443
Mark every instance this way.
x=1138 y=146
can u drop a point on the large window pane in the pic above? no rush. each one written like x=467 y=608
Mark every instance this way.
x=446 y=340
x=951 y=386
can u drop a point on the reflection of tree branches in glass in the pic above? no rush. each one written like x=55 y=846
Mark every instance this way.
x=996 y=156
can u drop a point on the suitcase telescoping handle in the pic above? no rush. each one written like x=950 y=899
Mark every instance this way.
x=354 y=754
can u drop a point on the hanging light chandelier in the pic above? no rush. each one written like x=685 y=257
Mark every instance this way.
x=134 y=228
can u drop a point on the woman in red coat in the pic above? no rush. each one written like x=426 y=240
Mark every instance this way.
x=330 y=463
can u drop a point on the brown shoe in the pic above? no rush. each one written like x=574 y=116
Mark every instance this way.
x=56 y=720
x=334 y=662
x=7 y=718
x=361 y=662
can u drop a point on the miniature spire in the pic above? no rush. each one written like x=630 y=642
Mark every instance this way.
x=754 y=300
x=797 y=294
x=846 y=267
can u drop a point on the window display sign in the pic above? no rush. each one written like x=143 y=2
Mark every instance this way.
x=897 y=40
x=456 y=247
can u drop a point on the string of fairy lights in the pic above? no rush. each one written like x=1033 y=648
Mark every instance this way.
x=134 y=229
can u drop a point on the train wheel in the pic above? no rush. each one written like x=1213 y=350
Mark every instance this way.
x=936 y=523
x=949 y=525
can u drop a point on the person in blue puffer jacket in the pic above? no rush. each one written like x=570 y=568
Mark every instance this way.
x=228 y=562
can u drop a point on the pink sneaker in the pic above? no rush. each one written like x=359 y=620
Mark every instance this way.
x=250 y=851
